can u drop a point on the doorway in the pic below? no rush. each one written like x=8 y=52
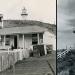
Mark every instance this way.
x=15 y=42
x=38 y=50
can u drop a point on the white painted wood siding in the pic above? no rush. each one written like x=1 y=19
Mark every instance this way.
x=49 y=38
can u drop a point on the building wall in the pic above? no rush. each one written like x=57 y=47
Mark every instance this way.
x=20 y=41
x=27 y=41
x=49 y=38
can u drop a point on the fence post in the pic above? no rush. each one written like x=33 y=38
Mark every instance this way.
x=8 y=50
x=13 y=64
x=8 y=58
x=17 y=55
x=1 y=63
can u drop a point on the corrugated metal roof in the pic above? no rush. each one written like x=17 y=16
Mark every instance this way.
x=20 y=30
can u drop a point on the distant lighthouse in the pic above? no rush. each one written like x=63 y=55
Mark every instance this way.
x=24 y=14
x=1 y=23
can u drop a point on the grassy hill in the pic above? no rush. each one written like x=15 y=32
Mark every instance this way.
x=67 y=63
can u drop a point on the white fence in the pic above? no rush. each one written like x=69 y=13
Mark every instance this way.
x=63 y=53
x=8 y=58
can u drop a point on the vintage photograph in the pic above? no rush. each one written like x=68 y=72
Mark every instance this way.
x=27 y=37
x=66 y=37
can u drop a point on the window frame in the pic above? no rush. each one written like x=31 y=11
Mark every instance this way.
x=34 y=39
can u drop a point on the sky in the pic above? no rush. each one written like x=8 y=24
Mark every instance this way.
x=65 y=23
x=43 y=10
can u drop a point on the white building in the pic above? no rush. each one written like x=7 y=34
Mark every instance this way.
x=27 y=34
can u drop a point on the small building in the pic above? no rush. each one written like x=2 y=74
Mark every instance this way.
x=27 y=34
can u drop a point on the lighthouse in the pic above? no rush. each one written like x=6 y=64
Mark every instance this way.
x=1 y=23
x=24 y=14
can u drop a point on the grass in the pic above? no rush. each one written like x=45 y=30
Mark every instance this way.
x=67 y=63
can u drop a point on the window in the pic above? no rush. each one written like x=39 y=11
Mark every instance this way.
x=7 y=42
x=34 y=39
x=1 y=40
x=0 y=19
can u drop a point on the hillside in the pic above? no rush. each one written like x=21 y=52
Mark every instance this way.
x=67 y=63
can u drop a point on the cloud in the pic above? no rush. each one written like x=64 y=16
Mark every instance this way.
x=66 y=23
x=66 y=14
x=72 y=22
x=66 y=6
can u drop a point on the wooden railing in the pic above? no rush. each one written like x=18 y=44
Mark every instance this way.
x=62 y=54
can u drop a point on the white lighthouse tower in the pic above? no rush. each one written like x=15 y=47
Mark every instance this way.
x=24 y=14
x=1 y=22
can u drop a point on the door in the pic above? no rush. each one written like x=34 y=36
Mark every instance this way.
x=38 y=50
x=49 y=48
x=15 y=42
x=41 y=50
x=35 y=51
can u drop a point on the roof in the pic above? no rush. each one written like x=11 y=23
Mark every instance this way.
x=20 y=30
x=19 y=24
